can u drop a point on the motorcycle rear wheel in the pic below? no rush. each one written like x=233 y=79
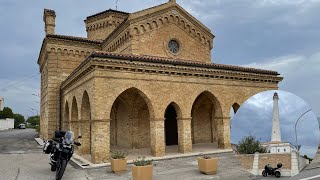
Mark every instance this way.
x=264 y=173
x=61 y=167
x=277 y=174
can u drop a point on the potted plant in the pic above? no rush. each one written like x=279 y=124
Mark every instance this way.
x=142 y=169
x=118 y=162
x=208 y=165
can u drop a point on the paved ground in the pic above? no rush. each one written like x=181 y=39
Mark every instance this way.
x=312 y=170
x=22 y=159
x=18 y=141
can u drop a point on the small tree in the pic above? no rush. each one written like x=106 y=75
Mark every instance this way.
x=6 y=113
x=34 y=120
x=18 y=119
x=250 y=145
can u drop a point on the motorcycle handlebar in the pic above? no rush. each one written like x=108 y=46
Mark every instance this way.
x=77 y=143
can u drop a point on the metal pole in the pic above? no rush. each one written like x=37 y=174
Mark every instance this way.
x=295 y=127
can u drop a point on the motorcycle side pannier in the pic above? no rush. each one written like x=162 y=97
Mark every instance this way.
x=47 y=147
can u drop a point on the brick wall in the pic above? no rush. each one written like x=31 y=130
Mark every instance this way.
x=246 y=160
x=274 y=159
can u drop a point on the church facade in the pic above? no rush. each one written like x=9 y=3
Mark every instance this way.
x=141 y=80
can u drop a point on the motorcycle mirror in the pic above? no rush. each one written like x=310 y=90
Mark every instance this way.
x=79 y=136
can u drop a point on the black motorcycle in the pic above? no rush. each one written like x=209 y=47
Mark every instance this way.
x=61 y=150
x=268 y=170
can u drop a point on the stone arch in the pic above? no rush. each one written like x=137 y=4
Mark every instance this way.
x=66 y=117
x=166 y=19
x=149 y=26
x=154 y=24
x=235 y=107
x=188 y=28
x=183 y=23
x=136 y=30
x=142 y=29
x=85 y=128
x=206 y=112
x=74 y=117
x=172 y=114
x=177 y=19
x=172 y=18
x=160 y=21
x=130 y=116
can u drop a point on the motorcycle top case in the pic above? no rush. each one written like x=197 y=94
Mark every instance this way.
x=47 y=147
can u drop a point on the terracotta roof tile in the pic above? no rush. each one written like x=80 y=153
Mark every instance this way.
x=157 y=59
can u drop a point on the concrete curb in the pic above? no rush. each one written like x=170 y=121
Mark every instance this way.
x=85 y=164
x=39 y=141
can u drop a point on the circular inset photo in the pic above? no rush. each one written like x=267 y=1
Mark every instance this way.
x=274 y=133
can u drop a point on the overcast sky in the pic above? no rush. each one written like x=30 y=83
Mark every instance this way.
x=255 y=117
x=277 y=35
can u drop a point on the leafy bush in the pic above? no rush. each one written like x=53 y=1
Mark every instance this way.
x=142 y=162
x=250 y=145
x=118 y=155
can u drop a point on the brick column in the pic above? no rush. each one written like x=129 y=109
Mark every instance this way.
x=134 y=132
x=65 y=126
x=184 y=135
x=85 y=132
x=158 y=147
x=223 y=128
x=75 y=128
x=100 y=138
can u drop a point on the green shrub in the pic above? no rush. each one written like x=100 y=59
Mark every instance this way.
x=142 y=162
x=118 y=155
x=250 y=145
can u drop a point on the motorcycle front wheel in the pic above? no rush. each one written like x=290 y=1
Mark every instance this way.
x=264 y=173
x=53 y=167
x=277 y=174
x=61 y=167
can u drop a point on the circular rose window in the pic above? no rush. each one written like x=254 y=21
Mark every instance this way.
x=174 y=46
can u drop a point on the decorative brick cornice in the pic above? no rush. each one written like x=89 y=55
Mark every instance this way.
x=165 y=60
x=159 y=65
x=62 y=38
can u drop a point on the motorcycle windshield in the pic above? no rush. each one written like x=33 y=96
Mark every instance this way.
x=68 y=138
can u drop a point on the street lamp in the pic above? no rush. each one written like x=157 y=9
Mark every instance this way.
x=35 y=110
x=295 y=128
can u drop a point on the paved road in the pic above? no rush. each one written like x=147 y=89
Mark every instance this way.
x=22 y=159
x=312 y=170
x=18 y=141
x=183 y=169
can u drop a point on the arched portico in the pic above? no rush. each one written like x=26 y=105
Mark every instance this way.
x=130 y=121
x=207 y=120
x=172 y=114
x=85 y=127
x=74 y=127
x=66 y=117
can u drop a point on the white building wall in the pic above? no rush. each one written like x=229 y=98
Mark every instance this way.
x=1 y=103
x=6 y=124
